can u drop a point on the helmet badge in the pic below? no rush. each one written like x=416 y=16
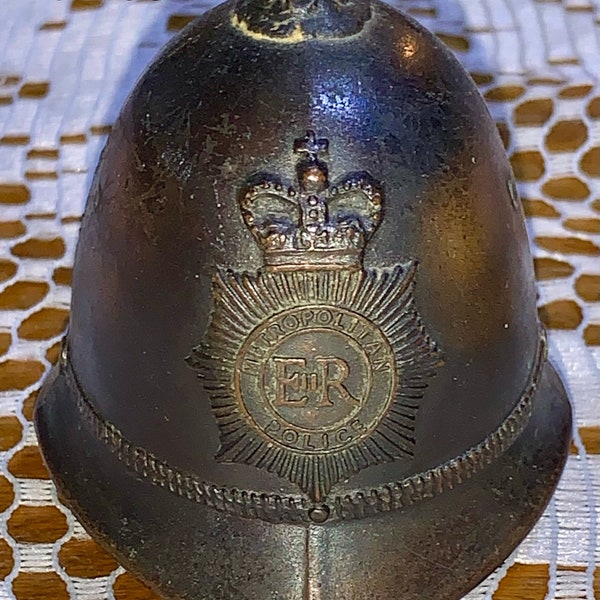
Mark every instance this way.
x=315 y=366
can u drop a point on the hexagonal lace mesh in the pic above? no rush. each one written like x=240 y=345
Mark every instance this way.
x=65 y=68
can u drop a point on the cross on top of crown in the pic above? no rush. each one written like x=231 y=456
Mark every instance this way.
x=311 y=146
x=312 y=173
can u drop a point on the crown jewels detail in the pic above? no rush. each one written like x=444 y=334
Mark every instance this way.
x=314 y=224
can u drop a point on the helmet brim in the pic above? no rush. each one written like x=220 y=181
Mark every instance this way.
x=439 y=547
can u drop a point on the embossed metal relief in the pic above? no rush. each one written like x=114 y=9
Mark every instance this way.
x=295 y=509
x=315 y=366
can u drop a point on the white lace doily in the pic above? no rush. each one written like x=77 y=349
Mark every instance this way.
x=65 y=69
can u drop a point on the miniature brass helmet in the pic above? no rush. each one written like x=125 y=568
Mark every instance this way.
x=304 y=360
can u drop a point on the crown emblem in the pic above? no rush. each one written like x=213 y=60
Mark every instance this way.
x=313 y=225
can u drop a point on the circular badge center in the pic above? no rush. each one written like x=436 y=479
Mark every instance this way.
x=315 y=379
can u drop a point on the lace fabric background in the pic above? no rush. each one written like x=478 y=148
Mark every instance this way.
x=65 y=69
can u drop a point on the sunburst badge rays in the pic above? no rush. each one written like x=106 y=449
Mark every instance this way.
x=315 y=375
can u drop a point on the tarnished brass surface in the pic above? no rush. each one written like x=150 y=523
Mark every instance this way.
x=304 y=359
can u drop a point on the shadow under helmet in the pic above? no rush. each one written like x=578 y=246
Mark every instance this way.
x=303 y=359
